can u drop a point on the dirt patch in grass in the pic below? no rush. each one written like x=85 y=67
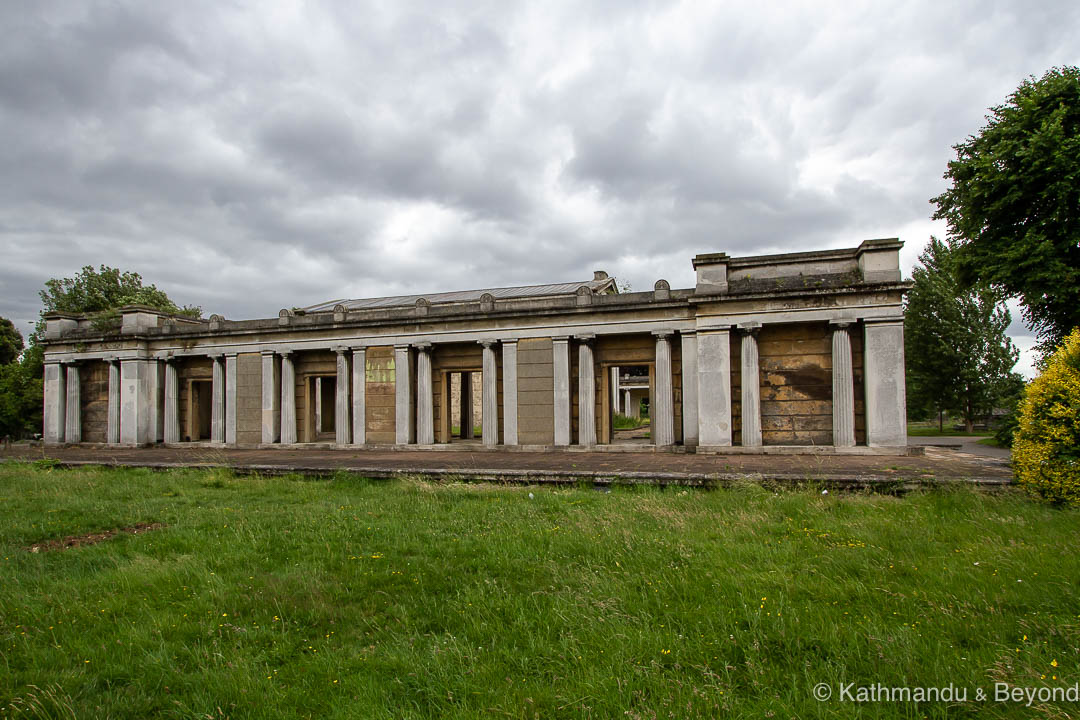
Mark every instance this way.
x=92 y=538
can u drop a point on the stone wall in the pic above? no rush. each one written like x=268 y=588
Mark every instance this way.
x=536 y=408
x=796 y=384
x=380 y=395
x=94 y=401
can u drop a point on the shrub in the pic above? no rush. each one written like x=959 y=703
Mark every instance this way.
x=1046 y=450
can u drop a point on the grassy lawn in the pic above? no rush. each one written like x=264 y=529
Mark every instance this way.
x=921 y=429
x=342 y=598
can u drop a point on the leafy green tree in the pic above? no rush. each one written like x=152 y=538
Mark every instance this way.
x=100 y=293
x=959 y=358
x=20 y=401
x=11 y=342
x=1015 y=203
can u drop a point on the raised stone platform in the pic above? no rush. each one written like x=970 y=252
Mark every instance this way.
x=851 y=471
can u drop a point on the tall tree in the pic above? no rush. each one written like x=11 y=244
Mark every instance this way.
x=11 y=342
x=1015 y=202
x=958 y=356
x=101 y=293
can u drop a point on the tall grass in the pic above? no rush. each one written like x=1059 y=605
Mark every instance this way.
x=282 y=597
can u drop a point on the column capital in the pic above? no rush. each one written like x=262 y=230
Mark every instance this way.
x=215 y=356
x=749 y=328
x=285 y=352
x=841 y=323
x=268 y=353
x=585 y=338
x=340 y=350
x=423 y=347
x=662 y=334
x=487 y=342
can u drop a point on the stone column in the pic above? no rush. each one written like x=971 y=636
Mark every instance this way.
x=425 y=396
x=403 y=395
x=465 y=409
x=688 y=339
x=616 y=395
x=155 y=382
x=271 y=398
x=341 y=398
x=134 y=402
x=359 y=396
x=112 y=429
x=561 y=368
x=318 y=407
x=217 y=395
x=586 y=392
x=883 y=357
x=510 y=392
x=626 y=403
x=230 y=398
x=663 y=415
x=73 y=406
x=172 y=403
x=714 y=387
x=55 y=403
x=843 y=386
x=288 y=399
x=751 y=385
x=490 y=396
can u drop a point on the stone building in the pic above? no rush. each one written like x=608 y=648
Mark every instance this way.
x=776 y=351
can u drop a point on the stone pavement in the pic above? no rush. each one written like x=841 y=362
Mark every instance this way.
x=936 y=466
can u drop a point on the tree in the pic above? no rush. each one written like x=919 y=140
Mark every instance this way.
x=959 y=358
x=1015 y=203
x=100 y=293
x=11 y=342
x=20 y=401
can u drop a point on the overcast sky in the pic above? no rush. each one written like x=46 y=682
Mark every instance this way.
x=248 y=157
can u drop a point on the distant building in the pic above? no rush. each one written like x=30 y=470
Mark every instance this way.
x=801 y=349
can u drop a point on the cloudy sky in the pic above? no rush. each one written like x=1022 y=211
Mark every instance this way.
x=247 y=157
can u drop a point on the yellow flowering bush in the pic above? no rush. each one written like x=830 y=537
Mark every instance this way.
x=1046 y=451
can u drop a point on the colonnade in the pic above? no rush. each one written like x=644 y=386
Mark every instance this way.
x=143 y=393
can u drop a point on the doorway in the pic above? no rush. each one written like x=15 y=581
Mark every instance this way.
x=628 y=417
x=200 y=410
x=463 y=395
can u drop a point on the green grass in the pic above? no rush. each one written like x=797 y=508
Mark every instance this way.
x=269 y=597
x=627 y=422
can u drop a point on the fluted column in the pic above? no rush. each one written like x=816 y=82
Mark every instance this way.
x=341 y=398
x=288 y=399
x=751 y=385
x=510 y=392
x=843 y=386
x=425 y=407
x=616 y=394
x=172 y=403
x=72 y=411
x=156 y=403
x=230 y=398
x=359 y=396
x=217 y=400
x=561 y=369
x=271 y=398
x=586 y=392
x=112 y=428
x=465 y=409
x=663 y=415
x=490 y=396
x=403 y=405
